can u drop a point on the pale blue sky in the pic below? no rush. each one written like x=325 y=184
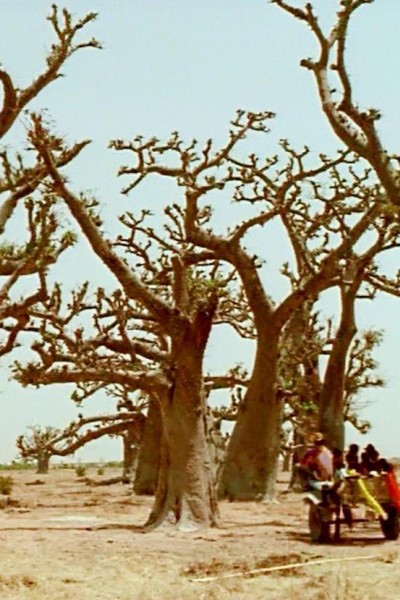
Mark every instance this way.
x=187 y=65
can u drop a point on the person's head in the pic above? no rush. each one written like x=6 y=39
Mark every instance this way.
x=371 y=450
x=353 y=448
x=384 y=466
x=337 y=455
x=318 y=439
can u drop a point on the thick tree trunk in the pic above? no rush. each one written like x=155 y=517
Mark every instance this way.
x=43 y=462
x=131 y=451
x=217 y=444
x=252 y=456
x=331 y=407
x=185 y=494
x=149 y=453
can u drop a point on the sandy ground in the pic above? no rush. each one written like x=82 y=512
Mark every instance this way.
x=63 y=539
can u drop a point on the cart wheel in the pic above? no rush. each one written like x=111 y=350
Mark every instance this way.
x=319 y=528
x=391 y=526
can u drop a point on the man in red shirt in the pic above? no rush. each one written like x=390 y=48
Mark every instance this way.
x=317 y=463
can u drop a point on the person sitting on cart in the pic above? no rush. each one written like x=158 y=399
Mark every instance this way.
x=370 y=466
x=352 y=458
x=388 y=471
x=317 y=464
x=369 y=460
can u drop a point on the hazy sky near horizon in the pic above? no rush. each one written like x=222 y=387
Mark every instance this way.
x=184 y=65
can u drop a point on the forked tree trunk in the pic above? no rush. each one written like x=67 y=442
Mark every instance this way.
x=251 y=463
x=185 y=494
x=149 y=453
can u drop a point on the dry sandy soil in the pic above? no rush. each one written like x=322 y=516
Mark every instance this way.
x=63 y=539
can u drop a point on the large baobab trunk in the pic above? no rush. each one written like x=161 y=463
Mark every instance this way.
x=185 y=493
x=251 y=461
x=149 y=454
x=331 y=407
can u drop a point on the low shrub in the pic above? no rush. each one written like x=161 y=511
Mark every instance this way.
x=6 y=484
x=80 y=470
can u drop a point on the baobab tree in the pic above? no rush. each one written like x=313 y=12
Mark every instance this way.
x=20 y=178
x=112 y=350
x=354 y=281
x=361 y=374
x=316 y=237
x=304 y=374
x=353 y=125
x=167 y=301
x=36 y=445
x=310 y=361
x=305 y=198
x=67 y=43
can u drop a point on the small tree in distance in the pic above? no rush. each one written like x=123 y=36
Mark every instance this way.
x=37 y=445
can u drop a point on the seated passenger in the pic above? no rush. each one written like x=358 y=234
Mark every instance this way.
x=352 y=459
x=369 y=460
x=317 y=463
x=388 y=470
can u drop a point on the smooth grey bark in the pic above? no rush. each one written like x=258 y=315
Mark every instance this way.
x=331 y=404
x=252 y=455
